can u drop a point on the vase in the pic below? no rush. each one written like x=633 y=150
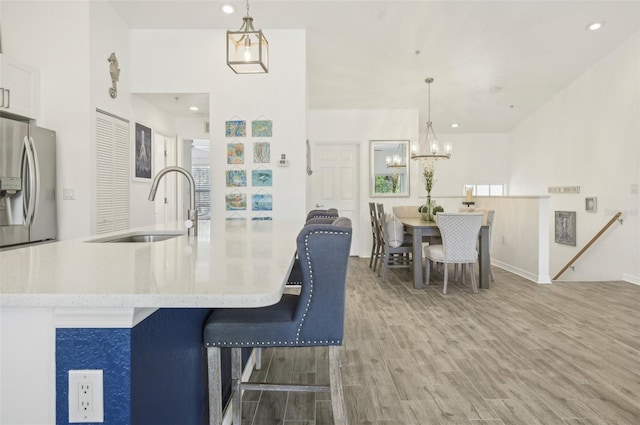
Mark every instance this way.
x=425 y=210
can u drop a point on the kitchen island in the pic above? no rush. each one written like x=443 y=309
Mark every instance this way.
x=132 y=309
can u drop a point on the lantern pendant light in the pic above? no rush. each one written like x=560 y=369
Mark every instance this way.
x=247 y=49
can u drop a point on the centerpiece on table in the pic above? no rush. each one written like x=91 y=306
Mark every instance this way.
x=429 y=209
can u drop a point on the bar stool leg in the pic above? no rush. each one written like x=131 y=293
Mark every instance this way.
x=215 y=386
x=335 y=381
x=236 y=380
x=257 y=353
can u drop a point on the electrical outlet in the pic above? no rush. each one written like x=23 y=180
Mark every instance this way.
x=86 y=403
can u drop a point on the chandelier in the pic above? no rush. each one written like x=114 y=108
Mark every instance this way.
x=247 y=48
x=429 y=147
x=397 y=159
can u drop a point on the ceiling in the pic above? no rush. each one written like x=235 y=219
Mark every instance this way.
x=494 y=62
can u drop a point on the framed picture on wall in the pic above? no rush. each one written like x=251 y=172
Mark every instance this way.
x=565 y=228
x=591 y=204
x=261 y=177
x=235 y=153
x=143 y=151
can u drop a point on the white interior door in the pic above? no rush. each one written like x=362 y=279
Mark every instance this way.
x=166 y=196
x=335 y=183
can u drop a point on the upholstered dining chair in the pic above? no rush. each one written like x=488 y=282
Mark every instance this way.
x=391 y=256
x=488 y=216
x=315 y=317
x=459 y=232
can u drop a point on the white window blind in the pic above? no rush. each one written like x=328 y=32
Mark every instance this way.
x=112 y=173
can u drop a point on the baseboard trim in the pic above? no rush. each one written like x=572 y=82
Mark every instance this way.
x=631 y=279
x=522 y=273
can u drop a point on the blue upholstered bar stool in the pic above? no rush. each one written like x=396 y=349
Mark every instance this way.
x=315 y=317
x=295 y=277
x=328 y=213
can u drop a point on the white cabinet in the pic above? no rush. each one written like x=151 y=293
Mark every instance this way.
x=19 y=88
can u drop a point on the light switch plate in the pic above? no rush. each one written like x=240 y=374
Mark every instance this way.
x=86 y=396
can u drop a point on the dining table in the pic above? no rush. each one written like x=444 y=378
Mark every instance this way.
x=418 y=228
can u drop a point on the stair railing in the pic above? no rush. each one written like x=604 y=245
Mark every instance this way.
x=593 y=239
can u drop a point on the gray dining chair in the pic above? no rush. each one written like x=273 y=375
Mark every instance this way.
x=459 y=232
x=376 y=246
x=390 y=256
x=315 y=317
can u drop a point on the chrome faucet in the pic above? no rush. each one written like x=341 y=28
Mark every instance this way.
x=192 y=214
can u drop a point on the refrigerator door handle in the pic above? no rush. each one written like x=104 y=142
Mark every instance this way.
x=2 y=104
x=31 y=194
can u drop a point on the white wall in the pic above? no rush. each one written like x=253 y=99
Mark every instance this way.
x=520 y=239
x=588 y=135
x=161 y=63
x=477 y=158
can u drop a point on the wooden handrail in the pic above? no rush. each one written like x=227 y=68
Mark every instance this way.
x=593 y=239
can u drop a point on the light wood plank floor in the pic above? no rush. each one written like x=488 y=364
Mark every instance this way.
x=516 y=354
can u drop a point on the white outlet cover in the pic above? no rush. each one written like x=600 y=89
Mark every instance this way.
x=94 y=379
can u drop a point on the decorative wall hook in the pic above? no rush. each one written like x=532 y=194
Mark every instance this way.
x=115 y=75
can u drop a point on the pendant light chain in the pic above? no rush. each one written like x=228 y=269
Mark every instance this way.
x=429 y=124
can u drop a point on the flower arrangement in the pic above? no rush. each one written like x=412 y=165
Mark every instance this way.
x=427 y=210
x=427 y=175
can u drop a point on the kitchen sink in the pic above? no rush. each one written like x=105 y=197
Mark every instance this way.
x=140 y=237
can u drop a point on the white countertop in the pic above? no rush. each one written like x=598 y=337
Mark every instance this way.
x=232 y=263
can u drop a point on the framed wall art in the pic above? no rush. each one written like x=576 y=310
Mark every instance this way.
x=261 y=153
x=261 y=178
x=235 y=153
x=591 y=204
x=235 y=128
x=261 y=128
x=236 y=202
x=261 y=202
x=143 y=160
x=236 y=178
x=565 y=227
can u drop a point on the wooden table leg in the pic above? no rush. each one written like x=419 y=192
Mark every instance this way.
x=417 y=258
x=484 y=258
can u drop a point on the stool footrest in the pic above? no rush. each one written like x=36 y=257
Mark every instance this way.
x=272 y=386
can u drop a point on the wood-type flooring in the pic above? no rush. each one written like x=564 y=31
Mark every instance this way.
x=517 y=354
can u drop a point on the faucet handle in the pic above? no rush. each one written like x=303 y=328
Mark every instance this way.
x=191 y=223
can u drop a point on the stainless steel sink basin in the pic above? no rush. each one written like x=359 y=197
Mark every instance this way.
x=139 y=237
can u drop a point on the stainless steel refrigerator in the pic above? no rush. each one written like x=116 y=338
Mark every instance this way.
x=27 y=183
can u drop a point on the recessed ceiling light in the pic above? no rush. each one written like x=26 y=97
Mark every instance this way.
x=455 y=125
x=194 y=108
x=228 y=9
x=594 y=26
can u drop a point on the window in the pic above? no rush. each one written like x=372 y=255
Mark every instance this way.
x=203 y=190
x=485 y=189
